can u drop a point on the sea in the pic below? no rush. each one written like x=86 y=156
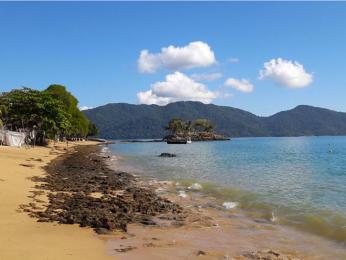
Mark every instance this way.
x=295 y=181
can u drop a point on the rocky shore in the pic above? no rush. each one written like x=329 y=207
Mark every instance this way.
x=155 y=220
x=83 y=190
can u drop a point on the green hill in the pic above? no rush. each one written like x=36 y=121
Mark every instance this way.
x=120 y=120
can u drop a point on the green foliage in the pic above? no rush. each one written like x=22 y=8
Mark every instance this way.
x=93 y=131
x=203 y=125
x=178 y=126
x=79 y=122
x=52 y=112
x=28 y=108
x=124 y=121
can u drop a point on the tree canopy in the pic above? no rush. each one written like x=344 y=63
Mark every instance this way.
x=52 y=112
x=178 y=126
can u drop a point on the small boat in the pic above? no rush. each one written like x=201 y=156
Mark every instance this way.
x=188 y=141
x=176 y=141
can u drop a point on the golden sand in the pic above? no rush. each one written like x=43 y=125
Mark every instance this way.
x=21 y=237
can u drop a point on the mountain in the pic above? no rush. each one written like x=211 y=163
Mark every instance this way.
x=126 y=121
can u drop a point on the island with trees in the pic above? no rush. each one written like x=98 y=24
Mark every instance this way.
x=180 y=131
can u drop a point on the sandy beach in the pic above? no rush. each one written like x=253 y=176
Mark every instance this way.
x=134 y=218
x=22 y=237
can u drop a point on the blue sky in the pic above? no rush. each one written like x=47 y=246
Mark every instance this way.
x=94 y=48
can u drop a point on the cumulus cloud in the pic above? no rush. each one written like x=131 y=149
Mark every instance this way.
x=176 y=87
x=286 y=73
x=240 y=84
x=195 y=54
x=206 y=76
x=81 y=108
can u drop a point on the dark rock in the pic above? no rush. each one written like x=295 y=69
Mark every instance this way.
x=71 y=181
x=167 y=155
x=102 y=231
x=200 y=252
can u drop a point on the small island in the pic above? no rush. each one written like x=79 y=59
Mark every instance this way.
x=182 y=132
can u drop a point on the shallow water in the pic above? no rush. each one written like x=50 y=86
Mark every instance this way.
x=301 y=180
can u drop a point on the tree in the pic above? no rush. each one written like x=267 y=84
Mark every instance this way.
x=2 y=114
x=175 y=126
x=51 y=112
x=28 y=109
x=79 y=122
x=93 y=131
x=203 y=125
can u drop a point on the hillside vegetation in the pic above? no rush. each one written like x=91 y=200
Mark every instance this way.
x=120 y=120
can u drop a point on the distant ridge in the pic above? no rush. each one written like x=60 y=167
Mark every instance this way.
x=121 y=120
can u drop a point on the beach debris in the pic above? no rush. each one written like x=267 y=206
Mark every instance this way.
x=229 y=205
x=27 y=165
x=196 y=186
x=167 y=155
x=200 y=252
x=273 y=217
x=182 y=194
x=267 y=254
x=125 y=249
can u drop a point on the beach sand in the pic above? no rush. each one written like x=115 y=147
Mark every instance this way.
x=22 y=237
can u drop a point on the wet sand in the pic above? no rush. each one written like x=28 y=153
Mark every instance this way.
x=22 y=237
x=226 y=234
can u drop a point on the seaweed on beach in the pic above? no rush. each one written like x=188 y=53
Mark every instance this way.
x=83 y=190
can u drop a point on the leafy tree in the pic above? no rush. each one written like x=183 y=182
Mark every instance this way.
x=180 y=127
x=79 y=122
x=203 y=125
x=52 y=112
x=27 y=109
x=93 y=131
x=175 y=126
x=2 y=114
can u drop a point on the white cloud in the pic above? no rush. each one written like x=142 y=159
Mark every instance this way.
x=195 y=54
x=240 y=84
x=81 y=108
x=233 y=60
x=176 y=87
x=286 y=73
x=206 y=76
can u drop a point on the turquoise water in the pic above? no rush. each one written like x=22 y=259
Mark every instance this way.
x=302 y=180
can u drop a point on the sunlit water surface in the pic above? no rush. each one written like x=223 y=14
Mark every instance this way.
x=302 y=180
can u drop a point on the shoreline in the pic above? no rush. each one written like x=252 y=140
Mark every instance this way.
x=170 y=233
x=292 y=241
x=22 y=237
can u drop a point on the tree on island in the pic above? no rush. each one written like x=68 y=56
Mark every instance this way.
x=179 y=127
x=203 y=125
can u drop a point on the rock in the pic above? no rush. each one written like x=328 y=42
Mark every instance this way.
x=102 y=231
x=200 y=252
x=195 y=186
x=182 y=194
x=167 y=155
x=230 y=205
x=267 y=255
x=71 y=183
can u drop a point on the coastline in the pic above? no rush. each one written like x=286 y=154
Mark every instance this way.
x=152 y=236
x=22 y=237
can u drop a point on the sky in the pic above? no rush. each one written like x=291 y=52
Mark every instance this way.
x=261 y=57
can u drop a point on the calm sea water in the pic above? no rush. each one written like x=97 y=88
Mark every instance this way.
x=302 y=180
